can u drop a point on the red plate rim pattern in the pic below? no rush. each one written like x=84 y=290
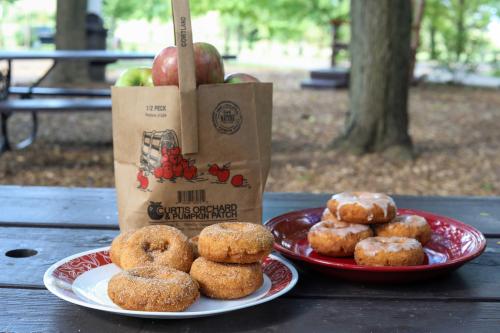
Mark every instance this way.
x=479 y=238
x=279 y=274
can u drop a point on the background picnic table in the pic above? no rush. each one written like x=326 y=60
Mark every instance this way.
x=58 y=222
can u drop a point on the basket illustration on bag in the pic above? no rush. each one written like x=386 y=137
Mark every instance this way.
x=153 y=143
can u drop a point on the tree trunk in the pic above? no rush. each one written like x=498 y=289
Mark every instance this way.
x=70 y=35
x=432 y=34
x=418 y=13
x=460 y=40
x=380 y=63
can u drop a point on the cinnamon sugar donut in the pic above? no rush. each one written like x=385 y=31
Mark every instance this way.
x=337 y=239
x=362 y=207
x=193 y=241
x=153 y=288
x=158 y=245
x=411 y=226
x=235 y=242
x=226 y=281
x=389 y=251
x=117 y=247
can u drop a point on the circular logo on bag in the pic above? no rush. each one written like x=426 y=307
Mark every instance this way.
x=155 y=210
x=227 y=118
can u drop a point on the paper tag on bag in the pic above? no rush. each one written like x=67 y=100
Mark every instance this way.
x=187 y=76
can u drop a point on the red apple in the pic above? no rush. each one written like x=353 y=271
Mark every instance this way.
x=178 y=170
x=208 y=63
x=190 y=172
x=240 y=78
x=168 y=173
x=237 y=180
x=158 y=172
x=223 y=175
x=213 y=169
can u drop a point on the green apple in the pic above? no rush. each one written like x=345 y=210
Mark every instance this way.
x=240 y=78
x=140 y=76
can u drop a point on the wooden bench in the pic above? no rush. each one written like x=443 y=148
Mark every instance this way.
x=33 y=106
x=50 y=91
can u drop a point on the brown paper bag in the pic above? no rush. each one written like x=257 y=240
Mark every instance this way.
x=190 y=157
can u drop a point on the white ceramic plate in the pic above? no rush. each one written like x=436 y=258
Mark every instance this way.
x=83 y=279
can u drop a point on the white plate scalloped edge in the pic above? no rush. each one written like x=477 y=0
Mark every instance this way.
x=69 y=280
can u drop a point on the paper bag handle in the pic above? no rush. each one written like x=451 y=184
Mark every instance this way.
x=187 y=76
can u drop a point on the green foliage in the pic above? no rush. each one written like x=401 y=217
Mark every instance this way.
x=284 y=20
x=454 y=30
x=137 y=9
x=246 y=20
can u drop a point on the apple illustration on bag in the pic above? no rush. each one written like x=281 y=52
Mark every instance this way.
x=140 y=76
x=209 y=67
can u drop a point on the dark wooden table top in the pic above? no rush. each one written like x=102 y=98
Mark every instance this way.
x=95 y=55
x=74 y=54
x=58 y=222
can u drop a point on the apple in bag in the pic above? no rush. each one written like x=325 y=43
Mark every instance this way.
x=140 y=76
x=240 y=78
x=208 y=65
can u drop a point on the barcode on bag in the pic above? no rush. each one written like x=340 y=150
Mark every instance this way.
x=195 y=196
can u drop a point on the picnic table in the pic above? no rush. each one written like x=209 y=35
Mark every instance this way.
x=68 y=99
x=58 y=222
x=93 y=99
x=57 y=56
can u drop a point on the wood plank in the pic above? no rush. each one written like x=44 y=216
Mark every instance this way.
x=59 y=91
x=94 y=55
x=37 y=310
x=481 y=212
x=69 y=54
x=96 y=207
x=58 y=206
x=55 y=105
x=52 y=245
x=477 y=280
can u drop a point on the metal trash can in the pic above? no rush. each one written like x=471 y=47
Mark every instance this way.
x=96 y=40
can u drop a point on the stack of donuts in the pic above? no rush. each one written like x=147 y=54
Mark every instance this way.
x=365 y=225
x=230 y=261
x=159 y=272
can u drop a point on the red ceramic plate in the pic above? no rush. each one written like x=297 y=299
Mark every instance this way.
x=453 y=243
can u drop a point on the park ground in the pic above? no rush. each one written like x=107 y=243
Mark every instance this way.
x=454 y=129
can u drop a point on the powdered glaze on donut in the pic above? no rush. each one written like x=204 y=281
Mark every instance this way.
x=413 y=220
x=327 y=215
x=373 y=245
x=365 y=199
x=411 y=226
x=340 y=228
x=335 y=238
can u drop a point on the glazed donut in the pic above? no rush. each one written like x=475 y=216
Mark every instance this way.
x=193 y=241
x=158 y=245
x=389 y=251
x=153 y=288
x=411 y=226
x=235 y=242
x=337 y=239
x=226 y=281
x=327 y=215
x=362 y=207
x=117 y=247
